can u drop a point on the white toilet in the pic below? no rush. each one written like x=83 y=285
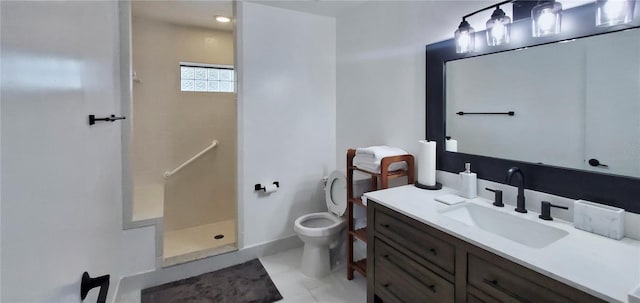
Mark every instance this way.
x=319 y=231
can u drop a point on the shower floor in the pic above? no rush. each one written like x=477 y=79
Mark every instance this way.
x=148 y=202
x=198 y=242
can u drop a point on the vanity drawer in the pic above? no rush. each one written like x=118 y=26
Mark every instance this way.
x=416 y=239
x=432 y=283
x=505 y=286
x=399 y=279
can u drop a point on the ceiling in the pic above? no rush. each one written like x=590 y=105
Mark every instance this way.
x=201 y=13
x=186 y=12
x=331 y=8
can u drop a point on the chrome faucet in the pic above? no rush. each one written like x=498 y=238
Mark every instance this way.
x=520 y=199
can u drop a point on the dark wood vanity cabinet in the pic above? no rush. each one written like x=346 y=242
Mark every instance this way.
x=412 y=262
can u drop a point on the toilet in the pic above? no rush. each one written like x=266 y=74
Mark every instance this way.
x=320 y=231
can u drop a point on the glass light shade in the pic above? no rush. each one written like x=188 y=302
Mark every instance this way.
x=498 y=28
x=223 y=19
x=614 y=12
x=465 y=38
x=546 y=18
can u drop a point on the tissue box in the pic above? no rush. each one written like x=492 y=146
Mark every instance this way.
x=599 y=219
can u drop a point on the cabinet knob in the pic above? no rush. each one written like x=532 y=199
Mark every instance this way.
x=433 y=251
x=494 y=283
x=432 y=288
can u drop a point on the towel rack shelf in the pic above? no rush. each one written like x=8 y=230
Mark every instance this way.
x=390 y=175
x=379 y=180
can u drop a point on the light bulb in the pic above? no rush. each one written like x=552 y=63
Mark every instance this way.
x=223 y=19
x=613 y=12
x=464 y=38
x=497 y=31
x=613 y=8
x=546 y=20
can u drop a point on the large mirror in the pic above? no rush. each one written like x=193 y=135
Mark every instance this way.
x=573 y=104
x=575 y=97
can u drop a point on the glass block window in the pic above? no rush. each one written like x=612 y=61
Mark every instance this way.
x=206 y=78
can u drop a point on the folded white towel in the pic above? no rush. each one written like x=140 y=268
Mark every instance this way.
x=450 y=199
x=373 y=165
x=379 y=152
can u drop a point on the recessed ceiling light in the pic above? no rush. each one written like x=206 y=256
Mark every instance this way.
x=222 y=19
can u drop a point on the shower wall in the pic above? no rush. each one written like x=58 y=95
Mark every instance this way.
x=170 y=126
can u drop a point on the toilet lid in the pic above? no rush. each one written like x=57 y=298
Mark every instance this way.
x=335 y=193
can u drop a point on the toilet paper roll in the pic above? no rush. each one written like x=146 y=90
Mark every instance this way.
x=427 y=163
x=269 y=188
x=451 y=145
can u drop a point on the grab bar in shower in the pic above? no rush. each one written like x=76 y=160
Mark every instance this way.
x=168 y=174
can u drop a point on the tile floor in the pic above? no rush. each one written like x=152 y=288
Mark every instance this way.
x=294 y=286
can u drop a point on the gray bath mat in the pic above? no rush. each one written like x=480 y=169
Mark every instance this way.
x=246 y=282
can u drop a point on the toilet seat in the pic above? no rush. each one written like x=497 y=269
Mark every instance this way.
x=325 y=224
x=335 y=193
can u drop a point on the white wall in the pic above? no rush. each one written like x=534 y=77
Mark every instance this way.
x=61 y=178
x=381 y=69
x=286 y=116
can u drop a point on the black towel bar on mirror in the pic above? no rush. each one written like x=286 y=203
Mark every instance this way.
x=511 y=113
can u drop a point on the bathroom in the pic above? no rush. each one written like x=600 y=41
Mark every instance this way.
x=348 y=74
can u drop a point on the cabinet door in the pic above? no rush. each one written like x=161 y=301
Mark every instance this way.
x=506 y=282
x=415 y=238
x=473 y=299
x=436 y=288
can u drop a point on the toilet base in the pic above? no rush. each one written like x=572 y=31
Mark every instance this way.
x=316 y=260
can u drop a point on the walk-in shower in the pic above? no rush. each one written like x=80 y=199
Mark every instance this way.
x=183 y=128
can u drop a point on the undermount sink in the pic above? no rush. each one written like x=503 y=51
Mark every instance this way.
x=509 y=226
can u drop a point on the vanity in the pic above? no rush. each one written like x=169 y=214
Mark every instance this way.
x=421 y=250
x=562 y=108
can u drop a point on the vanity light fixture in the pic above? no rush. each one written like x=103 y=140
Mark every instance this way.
x=465 y=38
x=223 y=19
x=546 y=18
x=498 y=28
x=614 y=12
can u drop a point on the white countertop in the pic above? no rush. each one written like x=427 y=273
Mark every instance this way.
x=606 y=268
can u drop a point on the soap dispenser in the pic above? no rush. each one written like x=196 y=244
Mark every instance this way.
x=469 y=182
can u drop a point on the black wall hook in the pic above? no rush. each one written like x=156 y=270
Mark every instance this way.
x=112 y=118
x=89 y=283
